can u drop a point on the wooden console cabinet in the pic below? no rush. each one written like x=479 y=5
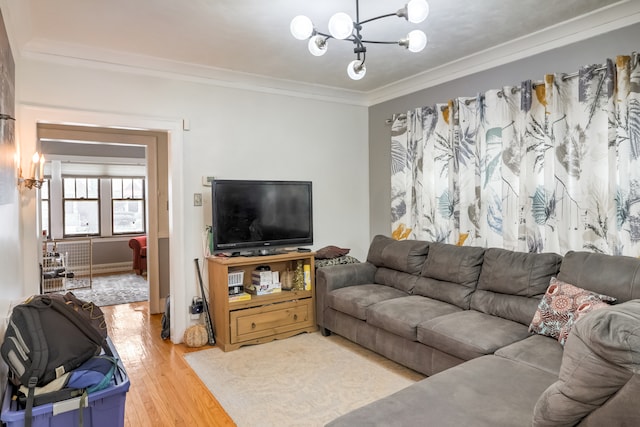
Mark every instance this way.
x=263 y=318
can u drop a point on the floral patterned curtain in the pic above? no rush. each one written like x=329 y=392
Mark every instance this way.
x=552 y=166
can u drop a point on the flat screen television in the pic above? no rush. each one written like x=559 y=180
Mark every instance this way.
x=261 y=215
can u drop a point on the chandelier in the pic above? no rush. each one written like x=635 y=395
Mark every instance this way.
x=343 y=27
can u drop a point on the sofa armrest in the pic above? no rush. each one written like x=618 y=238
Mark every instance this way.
x=601 y=356
x=336 y=277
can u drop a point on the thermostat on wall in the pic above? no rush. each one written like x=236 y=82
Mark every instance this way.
x=207 y=180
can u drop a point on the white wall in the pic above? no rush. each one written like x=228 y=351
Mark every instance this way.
x=234 y=133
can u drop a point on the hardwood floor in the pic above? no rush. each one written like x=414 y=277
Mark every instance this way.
x=164 y=390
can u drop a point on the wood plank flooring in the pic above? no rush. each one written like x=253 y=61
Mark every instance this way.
x=164 y=390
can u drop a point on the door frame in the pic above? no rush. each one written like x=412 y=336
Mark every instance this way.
x=29 y=116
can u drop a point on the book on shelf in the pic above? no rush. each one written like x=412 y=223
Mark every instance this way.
x=263 y=289
x=243 y=296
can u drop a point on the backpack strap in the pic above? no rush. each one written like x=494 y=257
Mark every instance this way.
x=28 y=410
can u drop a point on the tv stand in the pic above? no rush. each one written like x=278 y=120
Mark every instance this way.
x=262 y=318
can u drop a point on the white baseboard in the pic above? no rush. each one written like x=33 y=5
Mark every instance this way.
x=114 y=267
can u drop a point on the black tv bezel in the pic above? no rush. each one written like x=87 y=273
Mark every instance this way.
x=264 y=244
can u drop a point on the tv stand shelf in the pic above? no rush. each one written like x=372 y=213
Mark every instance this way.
x=263 y=318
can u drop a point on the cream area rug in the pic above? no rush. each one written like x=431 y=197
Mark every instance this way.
x=305 y=380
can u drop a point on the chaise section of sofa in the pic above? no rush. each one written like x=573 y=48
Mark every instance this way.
x=464 y=320
x=598 y=385
x=484 y=392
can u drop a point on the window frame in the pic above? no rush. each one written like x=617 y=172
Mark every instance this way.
x=142 y=199
x=97 y=200
x=45 y=199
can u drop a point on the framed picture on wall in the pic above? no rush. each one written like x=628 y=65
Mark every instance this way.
x=8 y=173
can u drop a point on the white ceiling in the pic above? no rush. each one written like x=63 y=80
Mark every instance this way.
x=252 y=38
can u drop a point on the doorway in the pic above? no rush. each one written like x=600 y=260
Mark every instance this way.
x=108 y=157
x=172 y=128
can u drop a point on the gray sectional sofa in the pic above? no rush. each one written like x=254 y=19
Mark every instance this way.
x=461 y=316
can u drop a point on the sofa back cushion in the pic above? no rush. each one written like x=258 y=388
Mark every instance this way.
x=401 y=255
x=601 y=355
x=450 y=273
x=397 y=279
x=616 y=276
x=511 y=283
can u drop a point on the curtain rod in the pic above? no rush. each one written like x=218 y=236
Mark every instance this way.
x=393 y=118
x=514 y=90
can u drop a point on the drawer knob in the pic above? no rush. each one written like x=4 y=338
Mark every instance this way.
x=295 y=317
x=253 y=325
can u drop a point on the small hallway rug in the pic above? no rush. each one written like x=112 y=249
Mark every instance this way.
x=305 y=380
x=113 y=289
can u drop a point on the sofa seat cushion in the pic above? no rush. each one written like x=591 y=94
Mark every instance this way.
x=354 y=300
x=538 y=351
x=401 y=316
x=486 y=392
x=470 y=334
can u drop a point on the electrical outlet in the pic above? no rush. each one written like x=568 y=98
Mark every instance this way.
x=197 y=199
x=197 y=306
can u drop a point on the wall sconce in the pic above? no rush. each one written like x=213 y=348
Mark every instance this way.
x=36 y=173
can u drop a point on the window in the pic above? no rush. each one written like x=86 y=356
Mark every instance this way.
x=127 y=205
x=81 y=204
x=44 y=209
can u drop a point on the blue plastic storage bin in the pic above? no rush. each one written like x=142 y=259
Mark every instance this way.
x=105 y=408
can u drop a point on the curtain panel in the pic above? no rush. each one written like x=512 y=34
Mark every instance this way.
x=551 y=166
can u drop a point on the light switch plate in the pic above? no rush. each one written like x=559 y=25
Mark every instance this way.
x=197 y=199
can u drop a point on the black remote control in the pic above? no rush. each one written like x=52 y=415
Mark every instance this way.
x=304 y=250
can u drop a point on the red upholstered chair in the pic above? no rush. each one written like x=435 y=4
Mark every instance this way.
x=139 y=246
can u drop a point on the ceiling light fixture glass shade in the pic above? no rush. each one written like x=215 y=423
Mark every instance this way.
x=417 y=11
x=416 y=41
x=318 y=45
x=356 y=70
x=340 y=26
x=301 y=27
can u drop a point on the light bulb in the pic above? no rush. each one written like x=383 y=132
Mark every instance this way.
x=301 y=27
x=417 y=11
x=356 y=69
x=318 y=45
x=341 y=25
x=417 y=41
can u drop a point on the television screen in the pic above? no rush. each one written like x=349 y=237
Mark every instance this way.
x=259 y=214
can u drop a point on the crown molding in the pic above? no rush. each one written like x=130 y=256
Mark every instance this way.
x=618 y=15
x=83 y=56
x=604 y=20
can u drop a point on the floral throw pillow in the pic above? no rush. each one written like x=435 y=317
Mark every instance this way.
x=562 y=305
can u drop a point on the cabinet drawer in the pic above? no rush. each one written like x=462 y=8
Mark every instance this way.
x=270 y=320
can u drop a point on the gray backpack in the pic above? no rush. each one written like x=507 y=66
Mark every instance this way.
x=48 y=336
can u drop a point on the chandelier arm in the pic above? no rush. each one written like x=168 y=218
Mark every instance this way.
x=379 y=42
x=328 y=36
x=377 y=17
